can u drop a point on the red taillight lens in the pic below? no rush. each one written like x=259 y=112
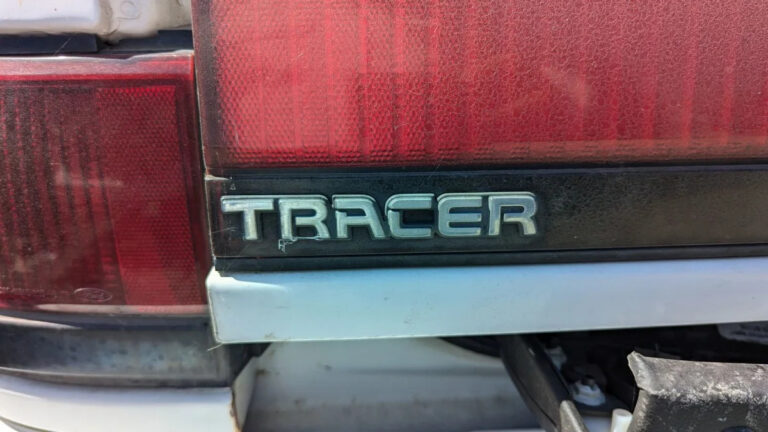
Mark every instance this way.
x=100 y=183
x=436 y=83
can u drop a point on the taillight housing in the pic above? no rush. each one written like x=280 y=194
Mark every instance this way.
x=100 y=185
x=468 y=83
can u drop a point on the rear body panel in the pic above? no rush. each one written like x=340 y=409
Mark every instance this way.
x=638 y=129
x=446 y=83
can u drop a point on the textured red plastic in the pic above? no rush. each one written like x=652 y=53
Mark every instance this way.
x=100 y=183
x=477 y=82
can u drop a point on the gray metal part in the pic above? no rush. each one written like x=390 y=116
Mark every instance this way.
x=570 y=418
x=687 y=396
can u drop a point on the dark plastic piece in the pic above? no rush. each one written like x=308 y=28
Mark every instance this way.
x=492 y=258
x=680 y=395
x=49 y=44
x=118 y=351
x=539 y=384
x=580 y=211
x=164 y=40
x=484 y=345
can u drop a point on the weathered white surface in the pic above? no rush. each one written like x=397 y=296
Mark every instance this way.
x=67 y=408
x=447 y=301
x=110 y=19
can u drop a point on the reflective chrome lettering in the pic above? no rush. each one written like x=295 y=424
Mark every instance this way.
x=290 y=205
x=471 y=214
x=249 y=206
x=447 y=217
x=395 y=206
x=498 y=203
x=370 y=215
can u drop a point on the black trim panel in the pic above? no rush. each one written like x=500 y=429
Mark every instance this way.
x=583 y=215
x=24 y=45
x=475 y=259
x=48 y=44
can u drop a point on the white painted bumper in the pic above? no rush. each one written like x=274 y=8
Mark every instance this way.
x=70 y=408
x=416 y=302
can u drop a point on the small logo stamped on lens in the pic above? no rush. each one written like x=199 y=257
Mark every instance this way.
x=92 y=295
